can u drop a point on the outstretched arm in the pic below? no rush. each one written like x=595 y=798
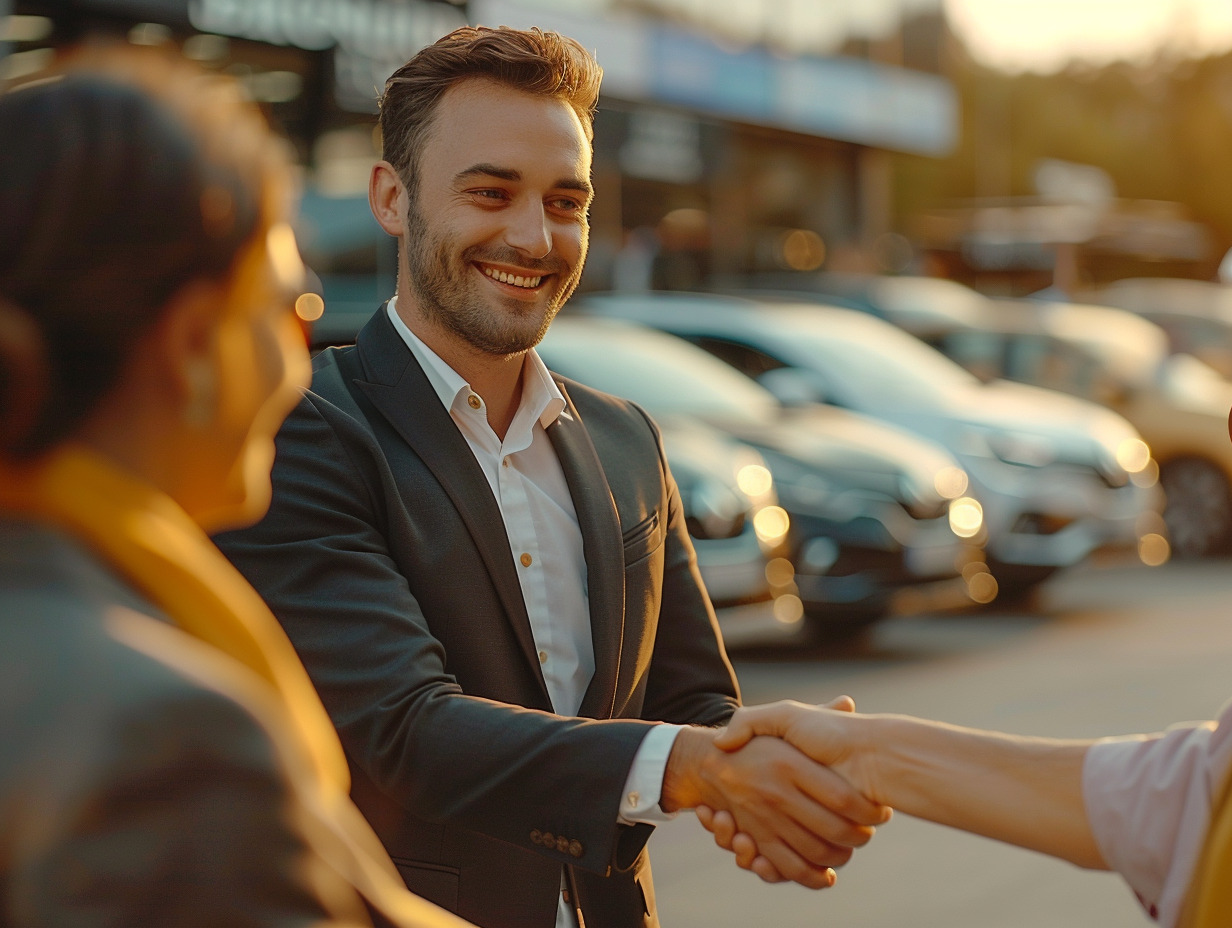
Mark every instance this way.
x=1021 y=790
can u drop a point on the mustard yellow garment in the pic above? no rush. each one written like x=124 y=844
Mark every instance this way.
x=151 y=541
x=145 y=536
x=1209 y=904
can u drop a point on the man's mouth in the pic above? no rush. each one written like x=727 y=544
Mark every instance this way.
x=513 y=280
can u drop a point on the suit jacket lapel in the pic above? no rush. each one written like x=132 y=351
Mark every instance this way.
x=400 y=390
x=601 y=543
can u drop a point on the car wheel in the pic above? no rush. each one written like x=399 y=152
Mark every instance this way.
x=1017 y=584
x=1197 y=507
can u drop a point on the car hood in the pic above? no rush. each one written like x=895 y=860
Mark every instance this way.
x=849 y=450
x=1007 y=405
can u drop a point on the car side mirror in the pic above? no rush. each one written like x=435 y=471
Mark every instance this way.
x=792 y=386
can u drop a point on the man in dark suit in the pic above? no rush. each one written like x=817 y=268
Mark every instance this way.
x=484 y=567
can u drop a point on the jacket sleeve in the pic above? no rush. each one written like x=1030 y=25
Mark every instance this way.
x=324 y=560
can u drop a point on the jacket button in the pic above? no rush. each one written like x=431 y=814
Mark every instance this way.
x=536 y=836
x=575 y=848
x=562 y=844
x=548 y=839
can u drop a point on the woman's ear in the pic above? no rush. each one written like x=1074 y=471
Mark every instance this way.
x=184 y=341
x=25 y=377
x=387 y=198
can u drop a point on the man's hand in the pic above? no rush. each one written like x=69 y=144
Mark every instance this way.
x=817 y=732
x=802 y=818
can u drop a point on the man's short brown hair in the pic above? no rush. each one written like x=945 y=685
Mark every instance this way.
x=534 y=61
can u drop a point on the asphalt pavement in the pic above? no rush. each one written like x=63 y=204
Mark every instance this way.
x=1110 y=648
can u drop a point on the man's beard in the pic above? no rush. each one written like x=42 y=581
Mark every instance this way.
x=447 y=296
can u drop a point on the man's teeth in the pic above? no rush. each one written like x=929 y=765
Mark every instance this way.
x=512 y=279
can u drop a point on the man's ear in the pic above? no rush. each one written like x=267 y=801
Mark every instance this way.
x=387 y=198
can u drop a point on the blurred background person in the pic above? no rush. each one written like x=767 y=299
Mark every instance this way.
x=163 y=757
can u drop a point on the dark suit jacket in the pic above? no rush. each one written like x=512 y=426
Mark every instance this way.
x=385 y=558
x=139 y=782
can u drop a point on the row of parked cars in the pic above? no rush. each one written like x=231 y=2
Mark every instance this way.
x=895 y=466
x=845 y=445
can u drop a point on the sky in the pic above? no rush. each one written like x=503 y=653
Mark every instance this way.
x=1042 y=35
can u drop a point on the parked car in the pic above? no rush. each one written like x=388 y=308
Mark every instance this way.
x=1059 y=478
x=732 y=513
x=1177 y=403
x=1195 y=314
x=876 y=513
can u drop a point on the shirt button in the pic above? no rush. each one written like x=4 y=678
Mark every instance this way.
x=564 y=894
x=543 y=657
x=504 y=462
x=473 y=401
x=526 y=559
x=633 y=799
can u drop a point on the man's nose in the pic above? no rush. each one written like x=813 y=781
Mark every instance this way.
x=528 y=230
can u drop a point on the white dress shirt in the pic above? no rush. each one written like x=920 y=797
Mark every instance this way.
x=541 y=523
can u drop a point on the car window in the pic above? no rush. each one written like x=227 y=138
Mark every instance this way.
x=662 y=373
x=869 y=363
x=744 y=358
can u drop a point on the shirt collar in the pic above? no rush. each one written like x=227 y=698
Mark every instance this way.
x=540 y=394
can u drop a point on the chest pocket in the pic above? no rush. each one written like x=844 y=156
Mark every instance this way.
x=642 y=539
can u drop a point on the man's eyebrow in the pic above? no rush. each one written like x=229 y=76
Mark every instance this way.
x=512 y=175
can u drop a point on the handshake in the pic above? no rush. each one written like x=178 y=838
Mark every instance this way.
x=781 y=786
x=793 y=789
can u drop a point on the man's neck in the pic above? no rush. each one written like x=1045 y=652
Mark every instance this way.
x=496 y=378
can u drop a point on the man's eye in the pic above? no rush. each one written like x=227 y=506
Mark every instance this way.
x=567 y=204
x=489 y=194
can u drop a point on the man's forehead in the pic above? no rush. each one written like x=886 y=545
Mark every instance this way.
x=482 y=121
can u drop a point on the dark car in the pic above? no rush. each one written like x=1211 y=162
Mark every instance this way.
x=876 y=514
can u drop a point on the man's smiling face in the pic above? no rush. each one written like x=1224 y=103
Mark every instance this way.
x=496 y=236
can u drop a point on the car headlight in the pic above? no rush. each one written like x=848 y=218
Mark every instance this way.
x=755 y=482
x=1133 y=454
x=771 y=524
x=951 y=482
x=966 y=517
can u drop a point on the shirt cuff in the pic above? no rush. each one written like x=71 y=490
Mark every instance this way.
x=640 y=800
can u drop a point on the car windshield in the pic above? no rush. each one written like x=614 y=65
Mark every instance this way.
x=866 y=361
x=664 y=374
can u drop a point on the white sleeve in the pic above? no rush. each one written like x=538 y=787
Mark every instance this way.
x=1148 y=800
x=640 y=800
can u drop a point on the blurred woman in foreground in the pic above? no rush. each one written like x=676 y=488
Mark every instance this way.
x=163 y=757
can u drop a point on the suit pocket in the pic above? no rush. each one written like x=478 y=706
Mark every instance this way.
x=642 y=539
x=435 y=883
